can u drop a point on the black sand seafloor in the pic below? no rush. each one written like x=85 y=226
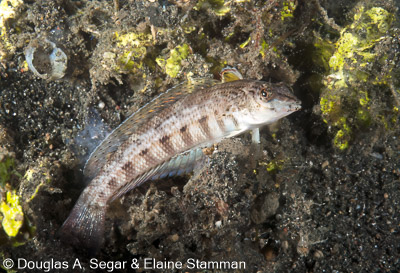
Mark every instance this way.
x=321 y=193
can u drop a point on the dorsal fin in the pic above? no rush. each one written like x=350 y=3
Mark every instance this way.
x=130 y=126
x=230 y=74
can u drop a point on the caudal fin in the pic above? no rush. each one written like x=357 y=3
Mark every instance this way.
x=84 y=227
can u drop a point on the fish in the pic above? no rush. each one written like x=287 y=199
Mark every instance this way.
x=166 y=137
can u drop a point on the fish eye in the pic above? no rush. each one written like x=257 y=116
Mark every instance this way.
x=264 y=93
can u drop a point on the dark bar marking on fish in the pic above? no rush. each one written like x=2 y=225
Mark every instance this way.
x=221 y=124
x=128 y=167
x=143 y=152
x=113 y=182
x=150 y=158
x=204 y=126
x=166 y=145
x=203 y=119
x=186 y=136
x=183 y=129
x=235 y=121
x=164 y=139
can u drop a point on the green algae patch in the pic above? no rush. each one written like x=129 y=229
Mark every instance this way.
x=218 y=7
x=29 y=177
x=217 y=65
x=12 y=214
x=358 y=40
x=245 y=43
x=10 y=208
x=17 y=228
x=342 y=137
x=274 y=165
x=345 y=50
x=132 y=48
x=264 y=48
x=172 y=65
x=288 y=9
x=9 y=9
x=6 y=170
x=356 y=67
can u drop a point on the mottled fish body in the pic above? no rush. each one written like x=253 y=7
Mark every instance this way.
x=166 y=138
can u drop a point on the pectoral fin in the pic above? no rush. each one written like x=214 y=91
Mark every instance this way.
x=255 y=136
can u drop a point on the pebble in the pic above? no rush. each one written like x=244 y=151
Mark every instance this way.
x=101 y=105
x=377 y=155
x=318 y=254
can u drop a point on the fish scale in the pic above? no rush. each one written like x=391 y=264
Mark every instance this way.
x=165 y=137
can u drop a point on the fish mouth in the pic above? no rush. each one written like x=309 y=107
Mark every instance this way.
x=291 y=102
x=286 y=101
x=288 y=106
x=296 y=106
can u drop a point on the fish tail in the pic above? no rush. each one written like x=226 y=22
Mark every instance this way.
x=84 y=226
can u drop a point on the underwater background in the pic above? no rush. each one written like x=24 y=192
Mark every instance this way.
x=320 y=193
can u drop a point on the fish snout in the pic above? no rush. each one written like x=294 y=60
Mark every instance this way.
x=286 y=96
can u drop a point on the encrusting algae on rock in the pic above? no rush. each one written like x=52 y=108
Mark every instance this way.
x=9 y=9
x=172 y=65
x=218 y=7
x=359 y=64
x=134 y=49
x=12 y=214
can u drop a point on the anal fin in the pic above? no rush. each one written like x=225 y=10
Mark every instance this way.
x=178 y=165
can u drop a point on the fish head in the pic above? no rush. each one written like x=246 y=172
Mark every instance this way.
x=270 y=102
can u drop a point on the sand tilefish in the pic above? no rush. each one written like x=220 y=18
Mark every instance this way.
x=166 y=137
